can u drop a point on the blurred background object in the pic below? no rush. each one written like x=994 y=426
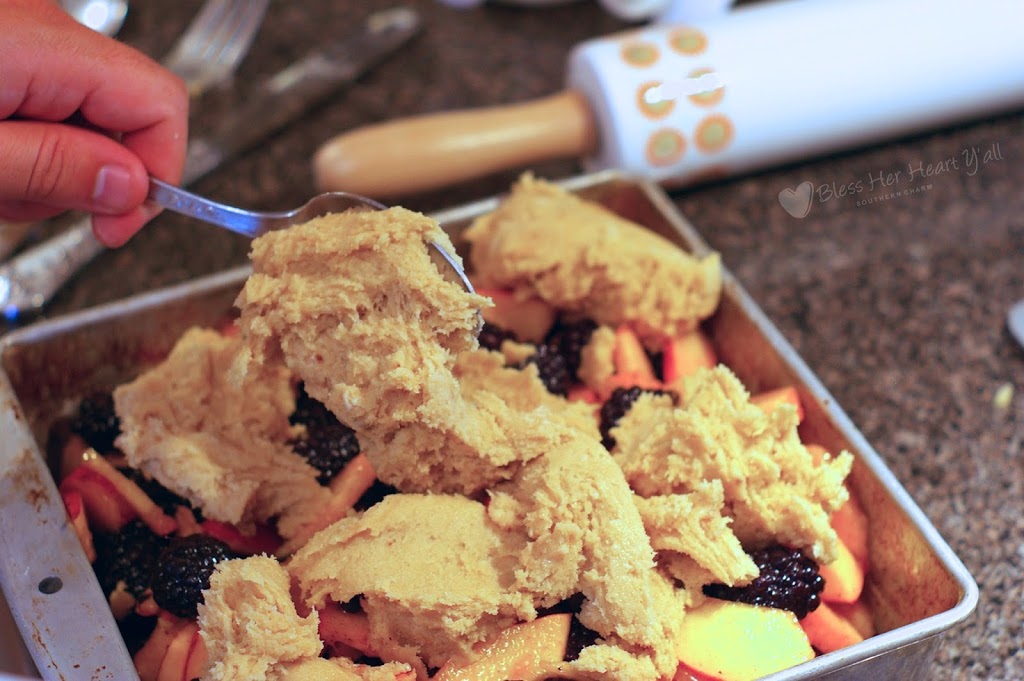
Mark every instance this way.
x=763 y=85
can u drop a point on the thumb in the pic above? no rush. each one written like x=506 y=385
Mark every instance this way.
x=59 y=166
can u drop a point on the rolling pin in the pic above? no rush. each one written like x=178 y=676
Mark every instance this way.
x=763 y=85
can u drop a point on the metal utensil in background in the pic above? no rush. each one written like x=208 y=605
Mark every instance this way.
x=1015 y=321
x=29 y=281
x=104 y=16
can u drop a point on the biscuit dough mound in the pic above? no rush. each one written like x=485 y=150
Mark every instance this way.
x=220 y=444
x=249 y=623
x=585 y=535
x=592 y=262
x=773 y=490
x=693 y=525
x=353 y=304
x=436 y=576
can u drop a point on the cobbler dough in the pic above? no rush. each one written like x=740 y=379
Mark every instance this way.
x=436 y=576
x=580 y=257
x=772 y=490
x=353 y=305
x=253 y=632
x=221 y=444
x=249 y=623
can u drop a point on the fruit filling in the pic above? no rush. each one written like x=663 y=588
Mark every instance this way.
x=346 y=483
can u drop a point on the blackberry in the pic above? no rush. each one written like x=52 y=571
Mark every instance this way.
x=492 y=336
x=96 y=422
x=568 y=340
x=127 y=556
x=618 y=405
x=378 y=490
x=183 y=570
x=328 y=444
x=580 y=637
x=789 y=580
x=552 y=368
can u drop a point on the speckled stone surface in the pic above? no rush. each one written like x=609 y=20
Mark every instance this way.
x=897 y=305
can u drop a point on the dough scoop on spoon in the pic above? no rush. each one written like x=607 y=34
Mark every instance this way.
x=255 y=223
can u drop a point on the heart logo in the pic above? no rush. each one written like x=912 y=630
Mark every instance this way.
x=797 y=202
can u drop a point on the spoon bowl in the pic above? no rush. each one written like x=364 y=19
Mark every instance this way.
x=255 y=223
x=102 y=16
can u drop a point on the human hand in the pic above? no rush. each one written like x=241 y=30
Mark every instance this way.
x=84 y=120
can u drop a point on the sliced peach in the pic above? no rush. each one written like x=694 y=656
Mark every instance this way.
x=844 y=577
x=195 y=665
x=264 y=539
x=106 y=508
x=817 y=452
x=629 y=356
x=531 y=651
x=151 y=514
x=72 y=454
x=784 y=395
x=186 y=520
x=827 y=631
x=771 y=640
x=350 y=629
x=150 y=656
x=172 y=667
x=75 y=507
x=858 y=614
x=529 y=319
x=351 y=483
x=683 y=356
x=581 y=393
x=851 y=524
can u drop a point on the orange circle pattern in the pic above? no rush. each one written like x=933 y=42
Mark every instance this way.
x=708 y=97
x=688 y=41
x=638 y=53
x=657 y=109
x=714 y=133
x=665 y=147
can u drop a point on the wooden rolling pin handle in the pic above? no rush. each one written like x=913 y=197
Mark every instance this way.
x=427 y=152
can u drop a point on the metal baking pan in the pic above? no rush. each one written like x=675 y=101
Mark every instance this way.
x=917 y=588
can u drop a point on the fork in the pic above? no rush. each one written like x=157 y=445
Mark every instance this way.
x=206 y=54
x=213 y=45
x=255 y=223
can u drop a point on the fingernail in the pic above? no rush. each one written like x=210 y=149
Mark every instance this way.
x=111 y=191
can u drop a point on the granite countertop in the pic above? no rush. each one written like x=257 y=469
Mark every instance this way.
x=898 y=305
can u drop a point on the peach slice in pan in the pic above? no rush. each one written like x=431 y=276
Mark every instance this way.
x=112 y=500
x=629 y=356
x=771 y=640
x=768 y=399
x=828 y=631
x=529 y=319
x=531 y=651
x=683 y=356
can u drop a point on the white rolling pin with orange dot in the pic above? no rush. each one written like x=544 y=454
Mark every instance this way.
x=763 y=85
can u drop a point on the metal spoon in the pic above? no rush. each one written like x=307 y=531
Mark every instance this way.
x=103 y=16
x=254 y=223
x=1015 y=321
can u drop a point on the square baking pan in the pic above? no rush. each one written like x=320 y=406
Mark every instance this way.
x=916 y=586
